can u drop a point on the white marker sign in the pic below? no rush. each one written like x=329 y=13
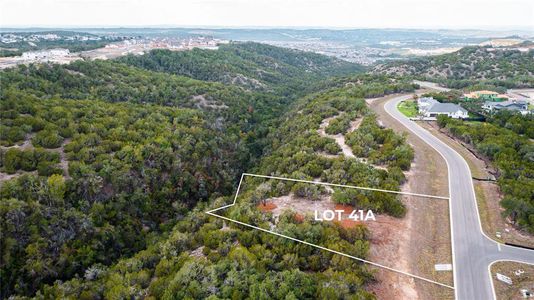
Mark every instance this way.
x=443 y=267
x=504 y=279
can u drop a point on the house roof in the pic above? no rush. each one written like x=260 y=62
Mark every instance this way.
x=426 y=100
x=514 y=107
x=445 y=108
x=506 y=103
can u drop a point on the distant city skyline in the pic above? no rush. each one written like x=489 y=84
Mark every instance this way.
x=416 y=14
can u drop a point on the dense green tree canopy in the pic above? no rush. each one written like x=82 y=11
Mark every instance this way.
x=469 y=66
x=108 y=165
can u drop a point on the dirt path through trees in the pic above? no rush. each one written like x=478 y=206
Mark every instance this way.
x=27 y=145
x=340 y=137
x=63 y=162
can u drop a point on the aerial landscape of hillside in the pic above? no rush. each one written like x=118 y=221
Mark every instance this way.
x=510 y=68
x=311 y=157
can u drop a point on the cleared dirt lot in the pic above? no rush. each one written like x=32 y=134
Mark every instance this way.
x=391 y=239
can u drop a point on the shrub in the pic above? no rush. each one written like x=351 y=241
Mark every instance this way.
x=47 y=139
x=11 y=135
x=46 y=168
x=306 y=190
x=332 y=148
x=442 y=120
x=12 y=159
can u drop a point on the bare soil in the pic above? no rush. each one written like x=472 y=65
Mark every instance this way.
x=267 y=206
x=201 y=101
x=299 y=218
x=6 y=177
x=300 y=205
x=198 y=252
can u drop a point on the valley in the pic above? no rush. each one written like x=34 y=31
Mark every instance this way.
x=129 y=177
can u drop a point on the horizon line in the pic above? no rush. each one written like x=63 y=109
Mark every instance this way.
x=267 y=27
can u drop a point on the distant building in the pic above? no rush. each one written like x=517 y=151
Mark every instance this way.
x=485 y=96
x=45 y=54
x=430 y=108
x=512 y=105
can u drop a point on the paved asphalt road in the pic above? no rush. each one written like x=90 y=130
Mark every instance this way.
x=473 y=251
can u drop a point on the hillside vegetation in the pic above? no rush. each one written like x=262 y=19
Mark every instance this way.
x=132 y=171
x=297 y=149
x=107 y=168
x=229 y=108
x=203 y=257
x=512 y=154
x=469 y=66
x=251 y=65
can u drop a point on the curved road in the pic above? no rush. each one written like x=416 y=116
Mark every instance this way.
x=472 y=250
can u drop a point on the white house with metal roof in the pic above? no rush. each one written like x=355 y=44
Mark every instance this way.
x=430 y=108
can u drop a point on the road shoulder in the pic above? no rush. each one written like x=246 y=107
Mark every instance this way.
x=430 y=239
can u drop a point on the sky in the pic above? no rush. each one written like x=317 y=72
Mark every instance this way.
x=428 y=14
